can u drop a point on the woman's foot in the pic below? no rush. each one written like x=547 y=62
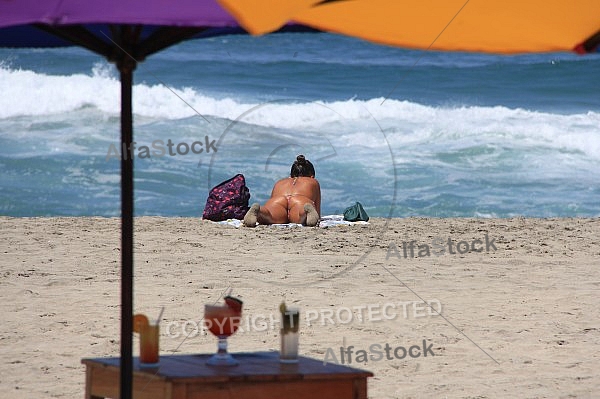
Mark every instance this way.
x=312 y=217
x=252 y=216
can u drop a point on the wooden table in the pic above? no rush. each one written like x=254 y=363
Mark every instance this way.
x=258 y=376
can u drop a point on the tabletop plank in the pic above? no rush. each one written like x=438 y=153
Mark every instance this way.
x=255 y=366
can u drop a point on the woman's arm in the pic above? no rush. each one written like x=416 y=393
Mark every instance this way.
x=318 y=198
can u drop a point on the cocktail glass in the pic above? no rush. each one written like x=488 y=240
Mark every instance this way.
x=149 y=345
x=222 y=321
x=290 y=322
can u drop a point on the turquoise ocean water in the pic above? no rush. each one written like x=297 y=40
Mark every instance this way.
x=404 y=132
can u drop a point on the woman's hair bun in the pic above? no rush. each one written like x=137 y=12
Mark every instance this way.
x=302 y=167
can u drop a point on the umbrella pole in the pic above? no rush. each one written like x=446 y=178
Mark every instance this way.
x=126 y=66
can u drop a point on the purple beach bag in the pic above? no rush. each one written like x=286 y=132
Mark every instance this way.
x=227 y=200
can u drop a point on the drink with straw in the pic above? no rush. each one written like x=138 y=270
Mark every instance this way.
x=290 y=323
x=149 y=344
x=149 y=333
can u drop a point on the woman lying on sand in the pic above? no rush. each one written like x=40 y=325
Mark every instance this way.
x=296 y=199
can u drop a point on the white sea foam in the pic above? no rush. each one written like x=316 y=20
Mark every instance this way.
x=354 y=122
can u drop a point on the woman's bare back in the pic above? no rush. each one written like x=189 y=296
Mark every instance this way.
x=303 y=188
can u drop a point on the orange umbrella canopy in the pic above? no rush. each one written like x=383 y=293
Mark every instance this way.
x=495 y=26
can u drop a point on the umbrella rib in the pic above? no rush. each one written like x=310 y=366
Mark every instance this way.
x=158 y=79
x=166 y=37
x=79 y=35
x=592 y=43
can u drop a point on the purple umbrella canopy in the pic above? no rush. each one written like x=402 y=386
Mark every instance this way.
x=205 y=13
x=125 y=32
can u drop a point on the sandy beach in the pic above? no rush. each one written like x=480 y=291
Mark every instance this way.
x=519 y=319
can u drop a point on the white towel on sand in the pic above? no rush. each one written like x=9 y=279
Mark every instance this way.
x=326 y=221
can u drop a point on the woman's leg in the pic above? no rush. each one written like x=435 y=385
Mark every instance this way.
x=251 y=216
x=303 y=211
x=312 y=216
x=274 y=211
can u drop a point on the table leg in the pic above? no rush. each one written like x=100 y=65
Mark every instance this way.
x=88 y=384
x=360 y=388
